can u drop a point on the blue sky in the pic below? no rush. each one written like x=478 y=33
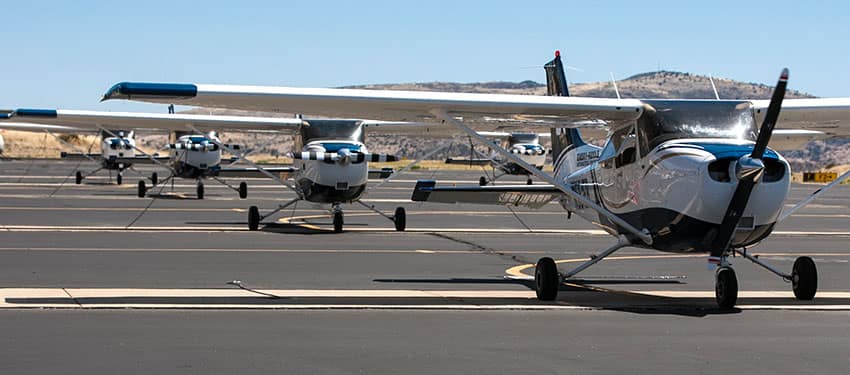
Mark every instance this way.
x=66 y=54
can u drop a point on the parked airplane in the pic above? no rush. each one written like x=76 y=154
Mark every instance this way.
x=660 y=182
x=523 y=144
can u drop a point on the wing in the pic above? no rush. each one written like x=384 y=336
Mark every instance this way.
x=41 y=128
x=828 y=115
x=533 y=196
x=130 y=120
x=793 y=139
x=408 y=106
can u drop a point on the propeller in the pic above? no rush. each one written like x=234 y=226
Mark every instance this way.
x=193 y=146
x=356 y=157
x=749 y=171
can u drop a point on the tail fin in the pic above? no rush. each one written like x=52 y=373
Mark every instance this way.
x=567 y=144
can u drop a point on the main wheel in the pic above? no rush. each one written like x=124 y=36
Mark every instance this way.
x=154 y=178
x=529 y=182
x=338 y=221
x=726 y=287
x=79 y=178
x=253 y=218
x=482 y=181
x=119 y=179
x=200 y=191
x=243 y=190
x=546 y=279
x=142 y=189
x=400 y=219
x=804 y=278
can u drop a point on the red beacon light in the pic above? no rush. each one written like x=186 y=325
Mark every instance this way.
x=557 y=53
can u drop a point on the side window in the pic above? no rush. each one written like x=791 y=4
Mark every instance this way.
x=621 y=149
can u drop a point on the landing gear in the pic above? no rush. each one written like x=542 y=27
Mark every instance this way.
x=200 y=190
x=119 y=179
x=528 y=181
x=338 y=221
x=79 y=178
x=804 y=279
x=482 y=181
x=142 y=189
x=253 y=218
x=154 y=178
x=725 y=287
x=243 y=190
x=400 y=219
x=546 y=279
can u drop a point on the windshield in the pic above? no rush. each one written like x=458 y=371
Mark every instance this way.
x=695 y=119
x=332 y=129
x=523 y=138
x=336 y=146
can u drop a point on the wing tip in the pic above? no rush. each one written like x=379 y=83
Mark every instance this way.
x=131 y=90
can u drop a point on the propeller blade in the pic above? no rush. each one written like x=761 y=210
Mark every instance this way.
x=315 y=155
x=749 y=171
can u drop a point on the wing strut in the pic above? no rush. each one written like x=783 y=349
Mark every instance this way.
x=642 y=234
x=814 y=195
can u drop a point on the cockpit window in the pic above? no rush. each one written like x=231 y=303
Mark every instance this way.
x=515 y=138
x=332 y=130
x=197 y=140
x=620 y=150
x=336 y=146
x=664 y=120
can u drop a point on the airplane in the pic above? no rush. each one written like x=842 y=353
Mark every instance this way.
x=330 y=158
x=673 y=176
x=524 y=144
x=193 y=154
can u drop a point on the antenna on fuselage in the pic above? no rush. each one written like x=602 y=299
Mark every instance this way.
x=614 y=82
x=713 y=87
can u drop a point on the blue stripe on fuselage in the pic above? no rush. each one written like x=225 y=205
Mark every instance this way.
x=725 y=150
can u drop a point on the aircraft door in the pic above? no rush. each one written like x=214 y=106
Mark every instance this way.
x=618 y=168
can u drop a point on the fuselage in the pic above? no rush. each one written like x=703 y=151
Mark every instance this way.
x=527 y=147
x=195 y=156
x=112 y=148
x=673 y=173
x=332 y=182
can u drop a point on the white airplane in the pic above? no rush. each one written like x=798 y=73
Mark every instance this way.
x=674 y=175
x=194 y=154
x=523 y=144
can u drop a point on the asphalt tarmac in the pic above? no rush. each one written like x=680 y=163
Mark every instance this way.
x=97 y=280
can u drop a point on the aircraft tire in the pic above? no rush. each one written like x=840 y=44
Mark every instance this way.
x=400 y=219
x=725 y=287
x=529 y=182
x=154 y=178
x=253 y=218
x=200 y=191
x=338 y=222
x=546 y=279
x=482 y=181
x=243 y=190
x=79 y=177
x=119 y=179
x=142 y=189
x=804 y=279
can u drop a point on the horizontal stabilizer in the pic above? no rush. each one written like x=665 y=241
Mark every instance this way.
x=464 y=161
x=532 y=196
x=78 y=156
x=382 y=173
x=283 y=172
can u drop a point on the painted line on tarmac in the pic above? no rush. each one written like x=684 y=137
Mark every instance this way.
x=244 y=250
x=238 y=209
x=212 y=229
x=125 y=298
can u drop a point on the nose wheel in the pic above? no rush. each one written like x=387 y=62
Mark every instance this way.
x=79 y=178
x=338 y=221
x=482 y=181
x=400 y=219
x=142 y=189
x=725 y=287
x=154 y=178
x=243 y=190
x=200 y=190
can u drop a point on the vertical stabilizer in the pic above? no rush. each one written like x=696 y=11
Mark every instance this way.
x=567 y=145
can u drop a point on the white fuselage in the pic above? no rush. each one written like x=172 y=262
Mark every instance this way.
x=193 y=156
x=332 y=181
x=680 y=190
